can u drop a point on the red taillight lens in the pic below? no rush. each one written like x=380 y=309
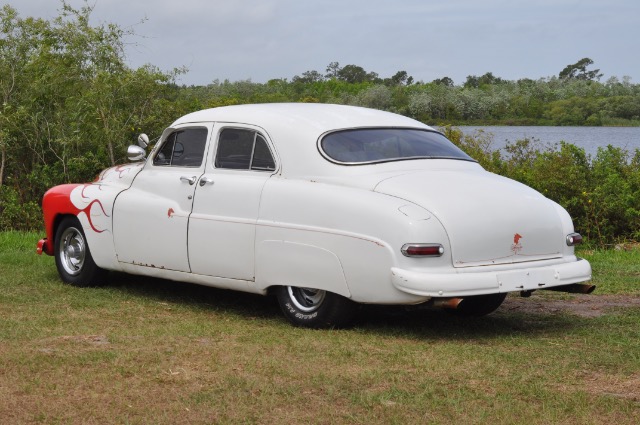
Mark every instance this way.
x=574 y=239
x=422 y=250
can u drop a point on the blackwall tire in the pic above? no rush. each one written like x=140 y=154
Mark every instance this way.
x=73 y=257
x=314 y=308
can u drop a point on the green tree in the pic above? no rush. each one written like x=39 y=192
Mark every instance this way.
x=353 y=74
x=332 y=70
x=308 y=77
x=400 y=78
x=70 y=104
x=484 y=80
x=579 y=71
x=444 y=81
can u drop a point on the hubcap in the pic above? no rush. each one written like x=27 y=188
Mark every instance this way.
x=306 y=299
x=72 y=250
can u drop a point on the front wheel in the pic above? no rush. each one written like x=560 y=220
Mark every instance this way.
x=73 y=257
x=314 y=308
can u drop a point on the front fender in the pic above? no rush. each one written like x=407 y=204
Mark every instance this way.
x=55 y=204
x=92 y=204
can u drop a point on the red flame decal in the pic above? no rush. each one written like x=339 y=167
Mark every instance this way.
x=87 y=211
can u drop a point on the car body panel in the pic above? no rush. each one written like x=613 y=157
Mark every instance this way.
x=92 y=203
x=486 y=280
x=469 y=210
x=222 y=226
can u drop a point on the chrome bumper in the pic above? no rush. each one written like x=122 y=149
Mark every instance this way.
x=480 y=281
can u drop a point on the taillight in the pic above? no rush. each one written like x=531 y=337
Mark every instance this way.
x=422 y=250
x=574 y=239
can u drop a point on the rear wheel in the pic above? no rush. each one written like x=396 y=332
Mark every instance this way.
x=314 y=308
x=73 y=256
x=479 y=305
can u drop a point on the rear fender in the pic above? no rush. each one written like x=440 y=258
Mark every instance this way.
x=294 y=264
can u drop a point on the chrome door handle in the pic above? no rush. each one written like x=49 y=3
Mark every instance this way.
x=205 y=180
x=191 y=180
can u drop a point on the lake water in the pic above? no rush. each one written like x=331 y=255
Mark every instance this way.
x=589 y=138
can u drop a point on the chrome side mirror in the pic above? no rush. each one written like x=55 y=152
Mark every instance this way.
x=143 y=141
x=136 y=153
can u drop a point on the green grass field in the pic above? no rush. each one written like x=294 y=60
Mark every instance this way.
x=146 y=351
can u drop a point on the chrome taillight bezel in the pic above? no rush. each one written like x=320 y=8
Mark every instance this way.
x=574 y=239
x=422 y=250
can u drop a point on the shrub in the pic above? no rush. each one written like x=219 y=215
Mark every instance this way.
x=16 y=213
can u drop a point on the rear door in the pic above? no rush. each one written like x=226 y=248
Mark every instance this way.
x=222 y=225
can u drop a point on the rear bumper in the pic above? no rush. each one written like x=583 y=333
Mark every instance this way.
x=480 y=281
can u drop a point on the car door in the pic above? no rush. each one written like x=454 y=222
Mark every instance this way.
x=150 y=219
x=222 y=225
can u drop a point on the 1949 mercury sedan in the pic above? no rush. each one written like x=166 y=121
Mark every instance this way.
x=325 y=206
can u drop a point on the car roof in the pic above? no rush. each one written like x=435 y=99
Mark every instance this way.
x=294 y=128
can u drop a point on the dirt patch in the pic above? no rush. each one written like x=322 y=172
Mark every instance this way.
x=580 y=305
x=54 y=344
x=608 y=385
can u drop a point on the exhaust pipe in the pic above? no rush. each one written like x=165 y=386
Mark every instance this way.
x=575 y=288
x=447 y=303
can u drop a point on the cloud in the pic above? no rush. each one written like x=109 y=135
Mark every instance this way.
x=242 y=39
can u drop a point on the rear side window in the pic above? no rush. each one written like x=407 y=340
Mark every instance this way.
x=183 y=148
x=363 y=146
x=242 y=149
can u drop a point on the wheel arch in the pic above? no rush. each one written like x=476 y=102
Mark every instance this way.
x=286 y=263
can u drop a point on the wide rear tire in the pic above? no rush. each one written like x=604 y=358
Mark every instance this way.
x=315 y=308
x=73 y=256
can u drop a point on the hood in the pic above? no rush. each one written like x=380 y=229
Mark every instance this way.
x=489 y=219
x=120 y=176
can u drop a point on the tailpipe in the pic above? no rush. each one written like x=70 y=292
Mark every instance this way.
x=446 y=303
x=574 y=288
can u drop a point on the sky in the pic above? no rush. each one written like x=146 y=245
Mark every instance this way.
x=259 y=40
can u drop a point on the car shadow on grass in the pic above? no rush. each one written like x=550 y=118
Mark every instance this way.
x=427 y=323
x=190 y=295
x=413 y=321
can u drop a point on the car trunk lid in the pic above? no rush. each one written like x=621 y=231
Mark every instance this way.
x=489 y=219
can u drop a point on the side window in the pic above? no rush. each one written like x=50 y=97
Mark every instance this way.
x=183 y=148
x=262 y=159
x=241 y=149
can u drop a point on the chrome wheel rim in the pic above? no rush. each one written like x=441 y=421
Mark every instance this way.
x=306 y=299
x=73 y=250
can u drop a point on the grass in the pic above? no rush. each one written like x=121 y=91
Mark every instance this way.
x=151 y=351
x=616 y=271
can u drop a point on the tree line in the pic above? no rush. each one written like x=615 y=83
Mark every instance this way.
x=71 y=104
x=566 y=99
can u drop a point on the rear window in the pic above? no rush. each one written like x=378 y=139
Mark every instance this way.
x=370 y=145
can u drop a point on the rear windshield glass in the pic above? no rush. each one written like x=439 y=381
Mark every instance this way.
x=388 y=144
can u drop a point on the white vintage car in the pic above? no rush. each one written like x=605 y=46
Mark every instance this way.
x=325 y=206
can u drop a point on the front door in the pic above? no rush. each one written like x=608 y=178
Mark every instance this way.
x=150 y=219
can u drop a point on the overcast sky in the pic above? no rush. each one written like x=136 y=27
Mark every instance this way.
x=265 y=39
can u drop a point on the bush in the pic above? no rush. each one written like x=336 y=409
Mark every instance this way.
x=601 y=194
x=16 y=213
x=613 y=201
